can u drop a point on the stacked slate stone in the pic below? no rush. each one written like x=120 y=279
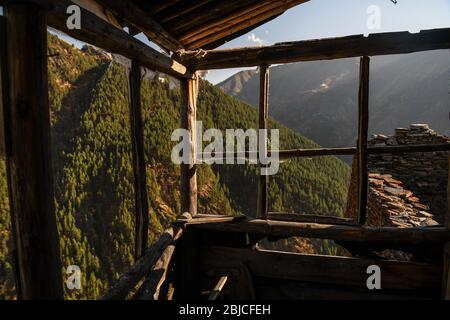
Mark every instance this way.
x=391 y=204
x=423 y=173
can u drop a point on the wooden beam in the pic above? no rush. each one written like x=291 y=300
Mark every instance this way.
x=295 y=217
x=361 y=234
x=138 y=155
x=150 y=289
x=322 y=49
x=189 y=91
x=167 y=16
x=99 y=11
x=363 y=133
x=263 y=201
x=264 y=12
x=3 y=82
x=155 y=6
x=218 y=288
x=38 y=268
x=134 y=15
x=446 y=273
x=216 y=24
x=326 y=270
x=206 y=13
x=321 y=152
x=153 y=253
x=102 y=34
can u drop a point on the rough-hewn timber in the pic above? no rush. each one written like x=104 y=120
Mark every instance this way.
x=138 y=156
x=361 y=234
x=363 y=133
x=321 y=49
x=102 y=34
x=37 y=254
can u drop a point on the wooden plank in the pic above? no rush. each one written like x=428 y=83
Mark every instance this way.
x=263 y=201
x=350 y=272
x=272 y=9
x=218 y=288
x=153 y=253
x=188 y=170
x=202 y=15
x=363 y=133
x=357 y=234
x=134 y=15
x=295 y=217
x=102 y=34
x=38 y=264
x=321 y=49
x=215 y=24
x=138 y=156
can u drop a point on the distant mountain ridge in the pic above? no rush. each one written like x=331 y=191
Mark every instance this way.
x=319 y=99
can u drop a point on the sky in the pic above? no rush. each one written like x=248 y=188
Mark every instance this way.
x=333 y=18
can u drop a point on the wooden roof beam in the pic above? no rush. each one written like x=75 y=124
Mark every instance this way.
x=134 y=15
x=234 y=23
x=321 y=49
x=102 y=34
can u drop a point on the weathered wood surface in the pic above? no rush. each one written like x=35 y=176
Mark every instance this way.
x=218 y=288
x=363 y=133
x=134 y=15
x=138 y=156
x=263 y=192
x=446 y=253
x=296 y=217
x=323 y=269
x=282 y=229
x=265 y=10
x=204 y=220
x=321 y=49
x=3 y=82
x=321 y=152
x=36 y=243
x=94 y=7
x=153 y=253
x=150 y=289
x=102 y=34
x=189 y=91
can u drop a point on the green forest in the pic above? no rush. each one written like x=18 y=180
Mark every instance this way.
x=91 y=150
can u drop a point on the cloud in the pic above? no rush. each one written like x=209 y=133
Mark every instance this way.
x=253 y=38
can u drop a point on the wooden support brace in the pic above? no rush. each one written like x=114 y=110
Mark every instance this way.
x=363 y=125
x=138 y=155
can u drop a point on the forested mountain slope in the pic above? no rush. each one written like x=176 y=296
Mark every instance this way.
x=93 y=176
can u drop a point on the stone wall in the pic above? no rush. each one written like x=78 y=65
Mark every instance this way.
x=412 y=184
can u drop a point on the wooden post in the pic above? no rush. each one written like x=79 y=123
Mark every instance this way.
x=446 y=273
x=38 y=265
x=363 y=125
x=140 y=177
x=262 y=207
x=3 y=84
x=189 y=91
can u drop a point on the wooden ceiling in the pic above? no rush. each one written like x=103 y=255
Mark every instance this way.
x=197 y=24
